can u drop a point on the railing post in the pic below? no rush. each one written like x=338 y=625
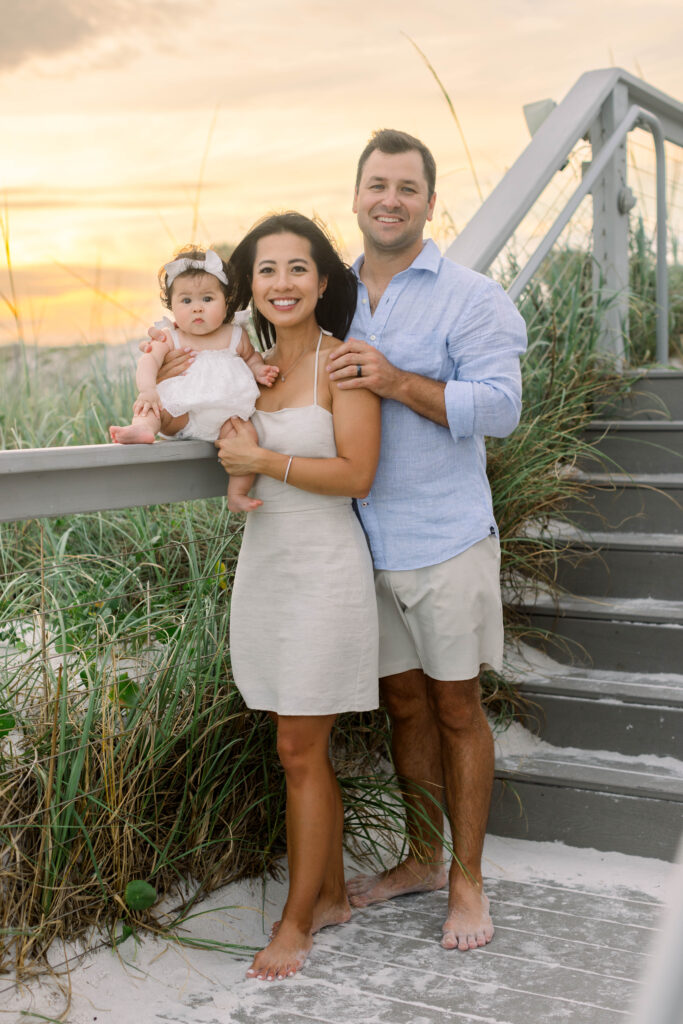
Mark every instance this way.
x=610 y=226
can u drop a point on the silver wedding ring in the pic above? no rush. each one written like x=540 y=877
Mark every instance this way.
x=359 y=370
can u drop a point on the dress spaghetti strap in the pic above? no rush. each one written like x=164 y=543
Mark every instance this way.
x=315 y=378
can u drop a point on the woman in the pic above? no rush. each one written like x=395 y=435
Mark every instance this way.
x=303 y=629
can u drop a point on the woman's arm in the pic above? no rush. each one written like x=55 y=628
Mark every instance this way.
x=356 y=416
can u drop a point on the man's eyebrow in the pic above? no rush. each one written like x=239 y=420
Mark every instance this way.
x=378 y=179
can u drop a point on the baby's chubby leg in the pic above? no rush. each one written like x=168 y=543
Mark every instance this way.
x=239 y=486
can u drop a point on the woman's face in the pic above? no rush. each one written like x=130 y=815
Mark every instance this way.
x=285 y=284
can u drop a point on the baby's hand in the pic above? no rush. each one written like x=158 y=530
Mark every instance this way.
x=147 y=401
x=266 y=374
x=156 y=334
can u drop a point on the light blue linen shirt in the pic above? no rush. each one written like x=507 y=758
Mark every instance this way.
x=431 y=498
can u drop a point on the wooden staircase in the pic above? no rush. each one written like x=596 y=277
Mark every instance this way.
x=611 y=699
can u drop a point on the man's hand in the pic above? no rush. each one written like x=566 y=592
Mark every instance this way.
x=266 y=374
x=147 y=401
x=238 y=453
x=358 y=365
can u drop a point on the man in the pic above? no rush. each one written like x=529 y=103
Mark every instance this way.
x=441 y=345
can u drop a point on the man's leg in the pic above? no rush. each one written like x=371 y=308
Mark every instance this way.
x=467 y=760
x=417 y=759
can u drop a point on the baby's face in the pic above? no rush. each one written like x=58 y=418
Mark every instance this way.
x=198 y=303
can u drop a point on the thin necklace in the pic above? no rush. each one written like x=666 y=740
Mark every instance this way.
x=289 y=369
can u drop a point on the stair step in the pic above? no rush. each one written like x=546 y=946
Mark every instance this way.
x=638 y=446
x=637 y=687
x=655 y=394
x=639 y=503
x=588 y=798
x=625 y=634
x=604 y=563
x=619 y=726
x=614 y=723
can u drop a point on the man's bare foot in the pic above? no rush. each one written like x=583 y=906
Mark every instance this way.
x=469 y=923
x=283 y=956
x=324 y=915
x=410 y=876
x=242 y=503
x=134 y=434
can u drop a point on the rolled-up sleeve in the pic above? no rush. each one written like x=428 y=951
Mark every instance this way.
x=485 y=344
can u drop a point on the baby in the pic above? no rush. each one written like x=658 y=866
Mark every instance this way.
x=222 y=380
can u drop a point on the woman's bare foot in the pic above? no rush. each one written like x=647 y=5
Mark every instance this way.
x=324 y=915
x=469 y=923
x=134 y=434
x=410 y=876
x=242 y=503
x=283 y=956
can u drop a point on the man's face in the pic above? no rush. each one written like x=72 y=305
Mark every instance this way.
x=392 y=202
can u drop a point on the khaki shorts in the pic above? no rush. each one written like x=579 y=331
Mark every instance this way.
x=446 y=619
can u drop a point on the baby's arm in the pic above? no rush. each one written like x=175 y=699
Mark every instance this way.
x=263 y=372
x=146 y=378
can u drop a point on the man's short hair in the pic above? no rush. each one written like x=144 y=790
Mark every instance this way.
x=388 y=140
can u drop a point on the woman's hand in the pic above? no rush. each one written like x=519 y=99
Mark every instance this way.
x=239 y=453
x=176 y=363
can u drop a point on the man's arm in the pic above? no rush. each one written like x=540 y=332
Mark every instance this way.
x=421 y=394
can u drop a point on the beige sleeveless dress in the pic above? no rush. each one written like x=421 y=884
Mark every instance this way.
x=303 y=617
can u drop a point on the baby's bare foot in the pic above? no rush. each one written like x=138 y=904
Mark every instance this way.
x=242 y=503
x=134 y=434
x=283 y=956
x=410 y=876
x=469 y=923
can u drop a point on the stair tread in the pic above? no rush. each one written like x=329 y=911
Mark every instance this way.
x=671 y=480
x=629 y=688
x=563 y=531
x=630 y=425
x=631 y=609
x=647 y=775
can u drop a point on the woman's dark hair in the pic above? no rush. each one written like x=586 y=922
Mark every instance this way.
x=190 y=252
x=334 y=310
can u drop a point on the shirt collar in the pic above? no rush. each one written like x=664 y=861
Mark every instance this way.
x=428 y=258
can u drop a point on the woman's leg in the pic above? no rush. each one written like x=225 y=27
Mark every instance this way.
x=313 y=843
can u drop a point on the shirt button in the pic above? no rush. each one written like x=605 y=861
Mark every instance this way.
x=364 y=504
x=365 y=302
x=372 y=337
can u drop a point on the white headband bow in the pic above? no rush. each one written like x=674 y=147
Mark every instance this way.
x=211 y=264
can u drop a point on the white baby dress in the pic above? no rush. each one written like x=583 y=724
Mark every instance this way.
x=218 y=385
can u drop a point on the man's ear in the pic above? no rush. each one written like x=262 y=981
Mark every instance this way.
x=430 y=207
x=354 y=204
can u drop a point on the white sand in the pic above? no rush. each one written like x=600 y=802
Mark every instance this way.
x=157 y=980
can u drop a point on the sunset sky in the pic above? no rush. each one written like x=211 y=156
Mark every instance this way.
x=125 y=123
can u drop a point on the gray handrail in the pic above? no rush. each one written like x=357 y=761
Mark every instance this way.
x=91 y=478
x=603 y=105
x=642 y=118
x=485 y=234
